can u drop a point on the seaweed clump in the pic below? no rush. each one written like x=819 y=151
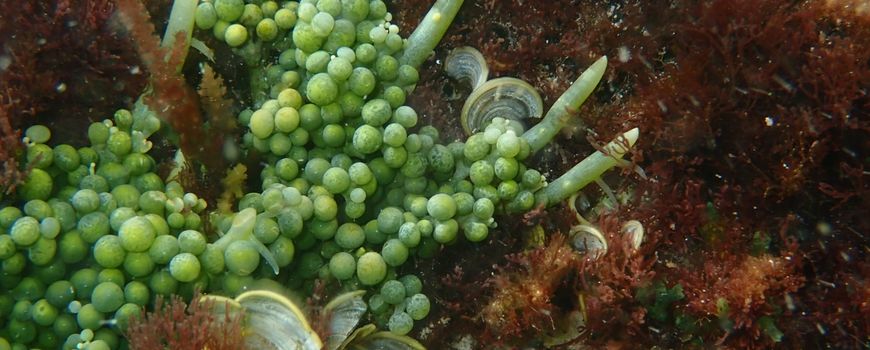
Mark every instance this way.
x=59 y=64
x=178 y=325
x=757 y=161
x=522 y=304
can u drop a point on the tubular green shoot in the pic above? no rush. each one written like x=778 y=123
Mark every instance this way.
x=430 y=31
x=559 y=114
x=181 y=20
x=587 y=170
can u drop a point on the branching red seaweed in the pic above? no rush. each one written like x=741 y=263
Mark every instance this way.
x=522 y=304
x=755 y=120
x=171 y=97
x=179 y=326
x=60 y=64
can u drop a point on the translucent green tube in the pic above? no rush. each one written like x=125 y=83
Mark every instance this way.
x=587 y=170
x=181 y=19
x=430 y=31
x=560 y=113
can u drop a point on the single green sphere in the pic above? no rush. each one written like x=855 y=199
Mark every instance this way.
x=339 y=68
x=205 y=16
x=25 y=231
x=394 y=252
x=66 y=157
x=83 y=282
x=137 y=292
x=229 y=10
x=162 y=283
x=163 y=249
x=371 y=268
x=124 y=313
x=342 y=265
x=476 y=231
x=267 y=29
x=409 y=234
x=377 y=304
x=285 y=18
x=108 y=252
x=390 y=219
x=284 y=250
x=184 y=267
x=441 y=207
x=445 y=232
x=37 y=185
x=138 y=264
x=393 y=292
x=417 y=306
x=43 y=313
x=241 y=258
x=400 y=323
x=286 y=119
x=39 y=156
x=107 y=297
x=119 y=143
x=60 y=293
x=350 y=236
x=336 y=180
x=137 y=234
x=89 y=317
x=38 y=134
x=360 y=173
x=251 y=15
x=7 y=247
x=367 y=139
x=405 y=116
x=321 y=89
x=290 y=97
x=481 y=173
x=42 y=252
x=362 y=81
x=72 y=248
x=98 y=133
x=376 y=112
x=412 y=283
x=192 y=241
x=235 y=35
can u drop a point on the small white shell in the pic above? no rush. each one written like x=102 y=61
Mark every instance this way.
x=468 y=65
x=589 y=240
x=344 y=312
x=509 y=98
x=634 y=230
x=273 y=322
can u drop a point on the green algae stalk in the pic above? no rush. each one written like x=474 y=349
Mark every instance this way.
x=587 y=170
x=181 y=20
x=560 y=113
x=430 y=31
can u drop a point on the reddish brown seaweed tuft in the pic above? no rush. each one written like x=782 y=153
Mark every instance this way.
x=755 y=133
x=60 y=65
x=522 y=304
x=180 y=326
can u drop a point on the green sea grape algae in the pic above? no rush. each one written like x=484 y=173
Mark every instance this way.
x=351 y=188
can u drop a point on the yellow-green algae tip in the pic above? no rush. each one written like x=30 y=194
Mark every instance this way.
x=567 y=104
x=588 y=170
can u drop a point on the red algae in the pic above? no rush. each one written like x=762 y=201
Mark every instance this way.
x=754 y=133
x=178 y=325
x=60 y=64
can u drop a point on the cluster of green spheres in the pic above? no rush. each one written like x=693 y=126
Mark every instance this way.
x=352 y=188
x=97 y=237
